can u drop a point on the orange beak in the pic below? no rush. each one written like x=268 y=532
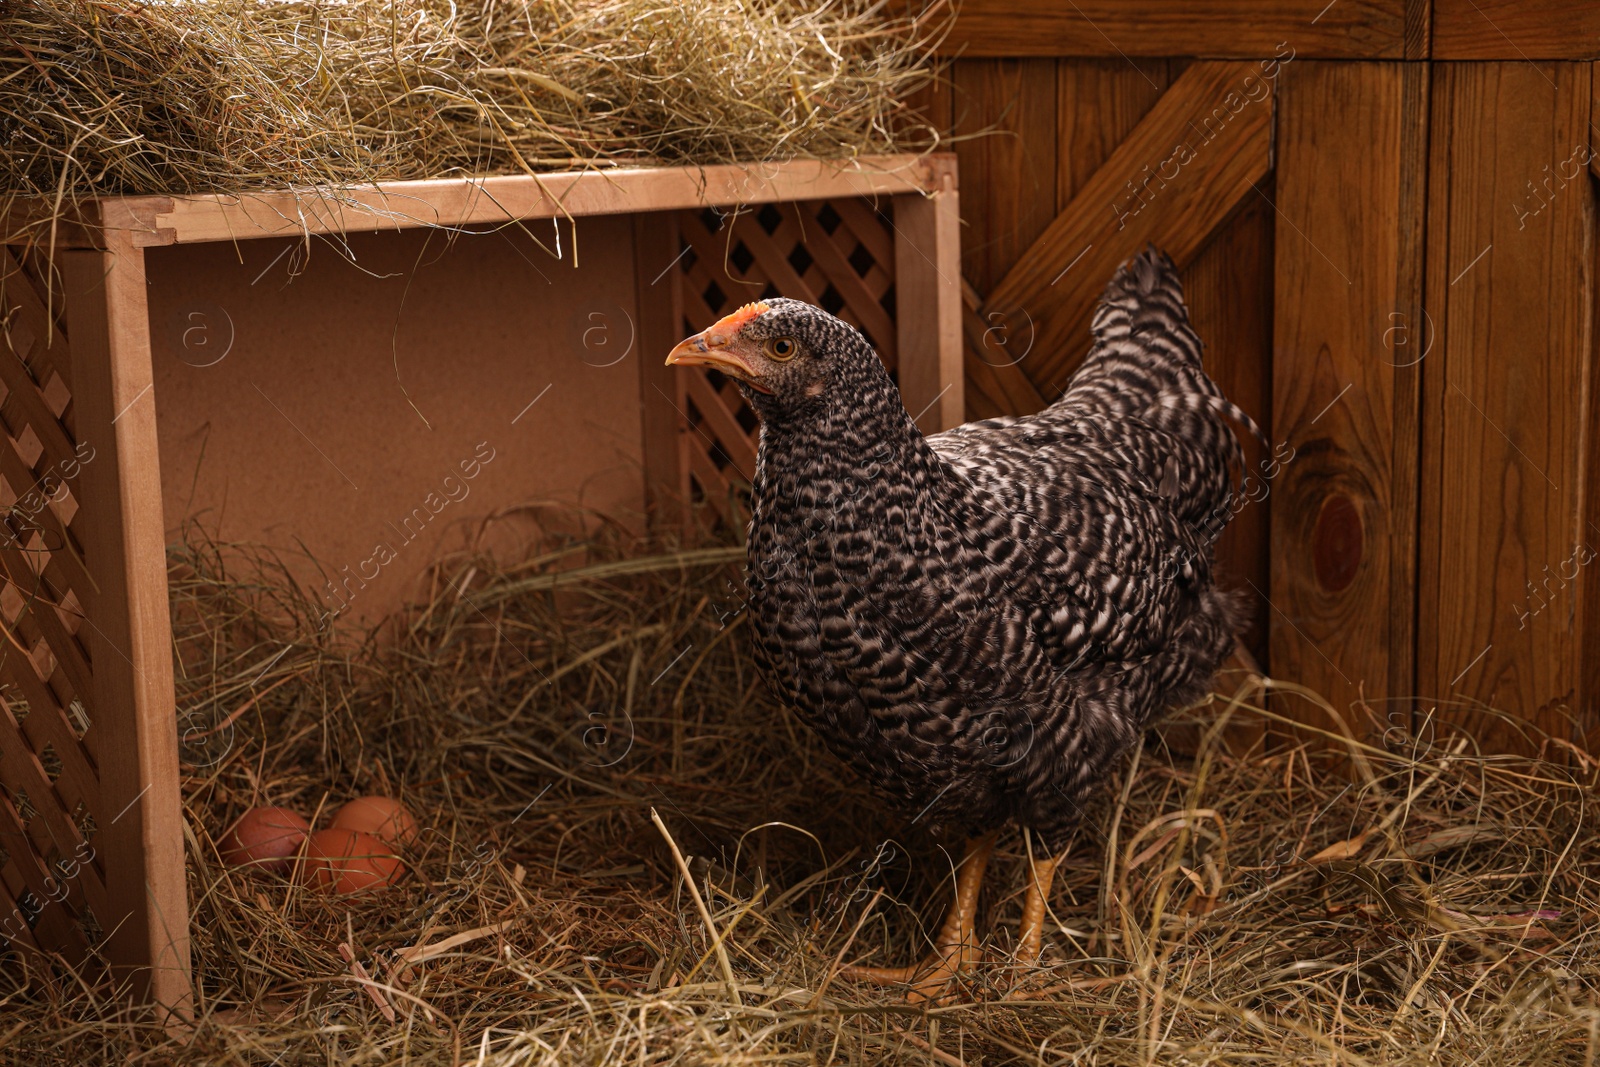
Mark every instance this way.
x=712 y=347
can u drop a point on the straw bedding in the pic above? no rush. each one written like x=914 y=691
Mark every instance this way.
x=579 y=731
x=1235 y=899
x=170 y=96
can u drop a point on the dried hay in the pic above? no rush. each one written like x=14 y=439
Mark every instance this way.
x=1335 y=902
x=176 y=96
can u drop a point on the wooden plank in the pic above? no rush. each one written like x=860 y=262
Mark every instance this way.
x=657 y=275
x=1510 y=286
x=1228 y=289
x=1099 y=102
x=1002 y=388
x=1413 y=314
x=1349 y=29
x=34 y=222
x=1342 y=517
x=1006 y=115
x=1006 y=120
x=1588 y=707
x=1210 y=133
x=1516 y=29
x=929 y=108
x=132 y=705
x=488 y=201
x=927 y=272
x=1418 y=29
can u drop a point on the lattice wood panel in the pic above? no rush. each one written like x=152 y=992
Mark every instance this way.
x=52 y=883
x=838 y=254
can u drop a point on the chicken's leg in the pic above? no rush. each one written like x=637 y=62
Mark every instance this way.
x=957 y=943
x=1041 y=872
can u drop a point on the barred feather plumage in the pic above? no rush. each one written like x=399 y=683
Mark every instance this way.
x=981 y=620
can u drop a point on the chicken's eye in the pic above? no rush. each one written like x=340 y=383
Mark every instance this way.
x=781 y=348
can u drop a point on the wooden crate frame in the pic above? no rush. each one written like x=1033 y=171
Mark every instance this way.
x=91 y=830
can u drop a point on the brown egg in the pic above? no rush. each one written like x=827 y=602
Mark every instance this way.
x=381 y=817
x=344 y=861
x=265 y=838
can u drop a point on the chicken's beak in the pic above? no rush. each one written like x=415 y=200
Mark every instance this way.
x=712 y=347
x=708 y=349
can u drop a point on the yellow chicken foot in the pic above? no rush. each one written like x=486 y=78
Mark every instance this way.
x=1041 y=872
x=956 y=947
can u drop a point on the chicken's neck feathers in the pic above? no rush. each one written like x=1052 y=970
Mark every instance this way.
x=847 y=462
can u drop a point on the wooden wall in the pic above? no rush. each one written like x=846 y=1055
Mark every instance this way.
x=1384 y=215
x=350 y=436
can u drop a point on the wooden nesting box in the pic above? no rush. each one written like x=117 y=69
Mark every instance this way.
x=362 y=373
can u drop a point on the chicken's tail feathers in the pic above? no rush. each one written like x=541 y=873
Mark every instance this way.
x=1145 y=272
x=1239 y=417
x=1233 y=413
x=1224 y=409
x=1142 y=318
x=1144 y=303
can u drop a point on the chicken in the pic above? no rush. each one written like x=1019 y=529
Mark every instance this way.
x=980 y=622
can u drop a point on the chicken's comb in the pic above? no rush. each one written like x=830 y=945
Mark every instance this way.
x=733 y=322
